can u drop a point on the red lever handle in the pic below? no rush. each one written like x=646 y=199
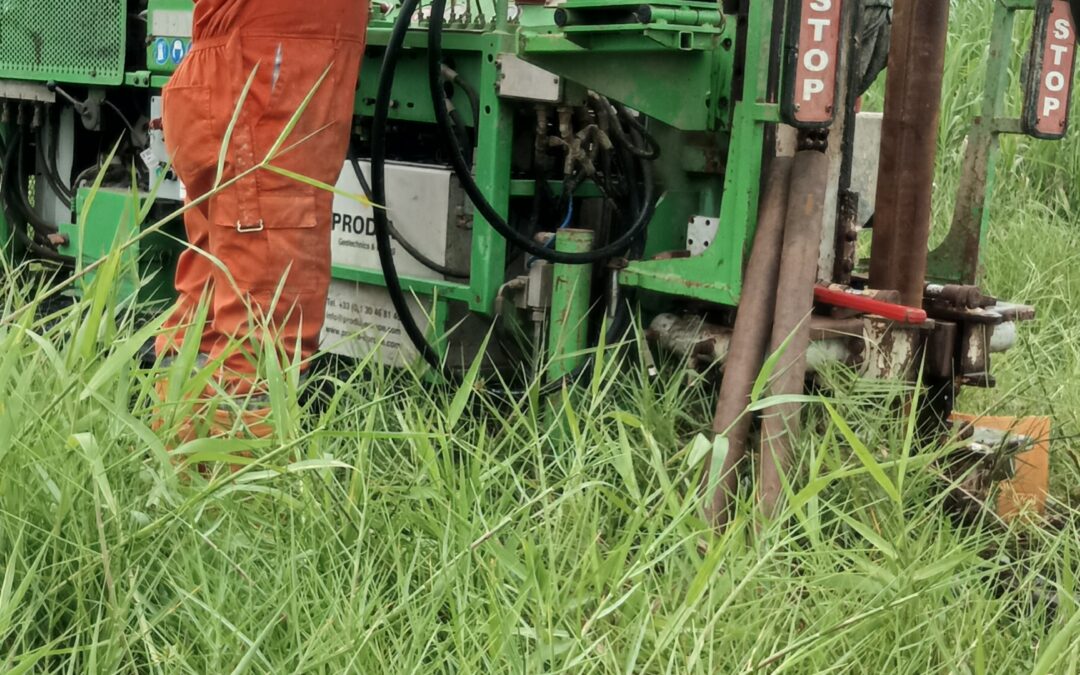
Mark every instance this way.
x=860 y=303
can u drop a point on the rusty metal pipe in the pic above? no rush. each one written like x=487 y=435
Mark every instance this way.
x=791 y=322
x=909 y=147
x=753 y=326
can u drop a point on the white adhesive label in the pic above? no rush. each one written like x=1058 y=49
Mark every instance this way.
x=419 y=199
x=156 y=157
x=361 y=319
x=149 y=158
x=171 y=23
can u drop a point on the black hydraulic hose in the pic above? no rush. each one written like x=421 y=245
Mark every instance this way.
x=365 y=187
x=51 y=159
x=54 y=160
x=378 y=188
x=398 y=237
x=461 y=130
x=617 y=114
x=51 y=174
x=637 y=248
x=9 y=192
x=23 y=202
x=470 y=93
x=41 y=250
x=480 y=201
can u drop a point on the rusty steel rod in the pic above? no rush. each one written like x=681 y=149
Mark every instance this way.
x=753 y=327
x=909 y=147
x=791 y=322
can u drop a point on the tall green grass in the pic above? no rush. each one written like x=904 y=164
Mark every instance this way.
x=394 y=526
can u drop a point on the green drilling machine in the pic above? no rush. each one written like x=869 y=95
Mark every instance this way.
x=556 y=171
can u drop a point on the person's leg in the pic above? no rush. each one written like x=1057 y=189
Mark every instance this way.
x=193 y=140
x=269 y=234
x=273 y=232
x=193 y=137
x=193 y=287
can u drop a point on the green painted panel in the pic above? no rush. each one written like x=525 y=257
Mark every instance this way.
x=108 y=220
x=81 y=41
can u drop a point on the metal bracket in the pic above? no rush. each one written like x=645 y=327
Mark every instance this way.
x=17 y=90
x=522 y=80
x=701 y=233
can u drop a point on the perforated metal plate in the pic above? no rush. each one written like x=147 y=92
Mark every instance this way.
x=77 y=41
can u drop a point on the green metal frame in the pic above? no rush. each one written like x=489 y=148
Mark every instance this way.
x=958 y=259
x=716 y=275
x=697 y=108
x=687 y=42
x=568 y=330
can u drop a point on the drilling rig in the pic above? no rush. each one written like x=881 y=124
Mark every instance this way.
x=557 y=169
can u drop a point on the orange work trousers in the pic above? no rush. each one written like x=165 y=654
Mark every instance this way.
x=260 y=241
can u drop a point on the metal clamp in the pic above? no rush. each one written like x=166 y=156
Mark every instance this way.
x=246 y=229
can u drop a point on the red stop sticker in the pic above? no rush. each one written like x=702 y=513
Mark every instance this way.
x=810 y=90
x=1050 y=75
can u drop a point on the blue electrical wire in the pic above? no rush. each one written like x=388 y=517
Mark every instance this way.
x=569 y=216
x=551 y=242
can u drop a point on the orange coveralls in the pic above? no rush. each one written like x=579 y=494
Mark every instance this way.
x=272 y=233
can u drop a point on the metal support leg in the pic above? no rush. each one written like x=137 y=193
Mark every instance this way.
x=570 y=299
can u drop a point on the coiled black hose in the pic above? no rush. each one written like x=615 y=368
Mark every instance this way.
x=479 y=200
x=39 y=245
x=620 y=321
